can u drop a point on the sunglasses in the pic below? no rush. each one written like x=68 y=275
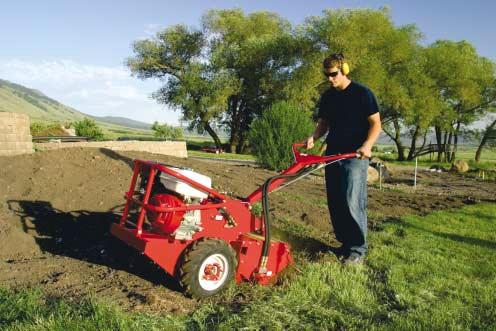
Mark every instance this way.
x=331 y=74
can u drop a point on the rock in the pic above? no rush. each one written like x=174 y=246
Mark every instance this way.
x=459 y=166
x=68 y=131
x=374 y=160
x=377 y=163
x=372 y=175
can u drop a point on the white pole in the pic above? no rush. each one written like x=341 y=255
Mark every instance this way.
x=415 y=177
x=380 y=176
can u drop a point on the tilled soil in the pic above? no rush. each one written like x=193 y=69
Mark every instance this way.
x=57 y=207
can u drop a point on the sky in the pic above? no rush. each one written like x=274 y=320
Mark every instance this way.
x=74 y=51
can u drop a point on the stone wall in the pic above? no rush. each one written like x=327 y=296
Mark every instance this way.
x=174 y=148
x=15 y=134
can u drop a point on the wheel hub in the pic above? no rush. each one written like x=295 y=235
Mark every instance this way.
x=213 y=272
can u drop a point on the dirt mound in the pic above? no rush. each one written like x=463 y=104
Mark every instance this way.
x=57 y=207
x=14 y=241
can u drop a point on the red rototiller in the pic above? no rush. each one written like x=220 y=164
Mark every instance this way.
x=202 y=237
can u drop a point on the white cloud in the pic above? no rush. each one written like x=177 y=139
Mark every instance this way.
x=152 y=29
x=62 y=71
x=95 y=90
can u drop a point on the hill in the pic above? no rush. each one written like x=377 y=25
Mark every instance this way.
x=16 y=98
x=123 y=121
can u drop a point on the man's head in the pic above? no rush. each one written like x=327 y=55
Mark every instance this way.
x=336 y=69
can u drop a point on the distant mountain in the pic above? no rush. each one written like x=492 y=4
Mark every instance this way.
x=123 y=121
x=16 y=98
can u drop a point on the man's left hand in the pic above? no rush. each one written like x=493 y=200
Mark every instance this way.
x=365 y=152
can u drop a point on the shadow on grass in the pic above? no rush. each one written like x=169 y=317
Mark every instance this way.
x=480 y=215
x=85 y=235
x=451 y=236
x=312 y=248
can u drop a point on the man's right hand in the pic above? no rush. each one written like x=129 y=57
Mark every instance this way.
x=309 y=142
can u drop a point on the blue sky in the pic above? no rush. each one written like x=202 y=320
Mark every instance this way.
x=74 y=51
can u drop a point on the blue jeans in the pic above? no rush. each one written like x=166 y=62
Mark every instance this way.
x=346 y=185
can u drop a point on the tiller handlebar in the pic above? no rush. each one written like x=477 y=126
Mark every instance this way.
x=304 y=165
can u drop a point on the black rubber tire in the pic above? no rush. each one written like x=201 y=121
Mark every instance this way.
x=193 y=260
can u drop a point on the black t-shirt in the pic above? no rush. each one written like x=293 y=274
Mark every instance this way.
x=347 y=112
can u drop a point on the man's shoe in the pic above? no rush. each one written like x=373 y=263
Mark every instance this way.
x=340 y=252
x=353 y=259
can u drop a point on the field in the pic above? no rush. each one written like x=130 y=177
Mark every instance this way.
x=431 y=265
x=465 y=152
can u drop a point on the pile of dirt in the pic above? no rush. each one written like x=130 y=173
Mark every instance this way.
x=57 y=207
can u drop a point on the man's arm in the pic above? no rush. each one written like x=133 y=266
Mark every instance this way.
x=374 y=131
x=320 y=130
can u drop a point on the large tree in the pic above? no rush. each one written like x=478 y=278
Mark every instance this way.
x=464 y=81
x=227 y=72
x=260 y=50
x=382 y=56
x=425 y=102
x=176 y=57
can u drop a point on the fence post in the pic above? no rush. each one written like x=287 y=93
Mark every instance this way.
x=415 y=177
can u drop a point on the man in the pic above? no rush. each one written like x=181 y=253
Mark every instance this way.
x=349 y=112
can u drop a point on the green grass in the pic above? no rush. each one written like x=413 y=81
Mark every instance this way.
x=29 y=310
x=467 y=153
x=113 y=132
x=488 y=154
x=423 y=273
x=228 y=156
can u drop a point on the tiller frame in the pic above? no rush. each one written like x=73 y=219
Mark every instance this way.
x=232 y=242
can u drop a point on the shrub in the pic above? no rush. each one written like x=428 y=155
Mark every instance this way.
x=272 y=135
x=166 y=131
x=39 y=129
x=88 y=128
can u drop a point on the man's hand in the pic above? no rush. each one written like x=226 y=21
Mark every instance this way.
x=365 y=152
x=321 y=129
x=374 y=130
x=309 y=143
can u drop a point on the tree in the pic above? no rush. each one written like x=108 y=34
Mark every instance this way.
x=228 y=72
x=487 y=138
x=235 y=66
x=176 y=57
x=272 y=134
x=465 y=83
x=88 y=128
x=426 y=104
x=166 y=131
x=382 y=56
x=447 y=85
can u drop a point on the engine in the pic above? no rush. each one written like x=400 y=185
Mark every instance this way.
x=171 y=192
x=166 y=222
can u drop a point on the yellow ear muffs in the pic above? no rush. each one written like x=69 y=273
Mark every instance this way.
x=345 y=68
